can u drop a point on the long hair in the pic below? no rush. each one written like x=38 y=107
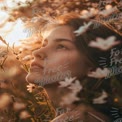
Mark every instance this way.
x=82 y=42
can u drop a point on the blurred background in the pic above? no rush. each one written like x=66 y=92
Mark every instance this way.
x=19 y=36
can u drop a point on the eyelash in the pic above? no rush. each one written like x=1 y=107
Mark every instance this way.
x=61 y=46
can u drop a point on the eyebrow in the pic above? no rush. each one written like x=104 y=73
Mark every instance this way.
x=58 y=40
x=61 y=40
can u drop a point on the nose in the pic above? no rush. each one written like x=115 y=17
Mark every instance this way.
x=39 y=53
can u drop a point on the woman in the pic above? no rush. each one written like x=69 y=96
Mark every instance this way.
x=70 y=56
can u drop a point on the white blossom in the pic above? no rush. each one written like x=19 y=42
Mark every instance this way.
x=67 y=82
x=82 y=29
x=75 y=87
x=30 y=87
x=101 y=99
x=104 y=44
x=27 y=57
x=87 y=14
x=70 y=98
x=107 y=12
x=99 y=73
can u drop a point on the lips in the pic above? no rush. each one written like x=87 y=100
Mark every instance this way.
x=36 y=67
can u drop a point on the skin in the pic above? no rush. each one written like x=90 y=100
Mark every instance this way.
x=58 y=55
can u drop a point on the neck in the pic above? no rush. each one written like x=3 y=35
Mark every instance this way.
x=56 y=94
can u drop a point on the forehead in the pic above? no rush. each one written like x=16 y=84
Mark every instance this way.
x=60 y=32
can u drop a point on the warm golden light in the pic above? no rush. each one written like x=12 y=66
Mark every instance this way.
x=13 y=32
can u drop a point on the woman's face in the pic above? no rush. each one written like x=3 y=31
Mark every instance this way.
x=57 y=58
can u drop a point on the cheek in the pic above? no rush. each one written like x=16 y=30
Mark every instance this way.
x=78 y=66
x=57 y=60
x=72 y=62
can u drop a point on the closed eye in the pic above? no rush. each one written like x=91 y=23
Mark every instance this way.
x=61 y=46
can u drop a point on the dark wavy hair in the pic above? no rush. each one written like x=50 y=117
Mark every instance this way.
x=93 y=54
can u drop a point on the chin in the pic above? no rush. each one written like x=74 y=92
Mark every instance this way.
x=33 y=77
